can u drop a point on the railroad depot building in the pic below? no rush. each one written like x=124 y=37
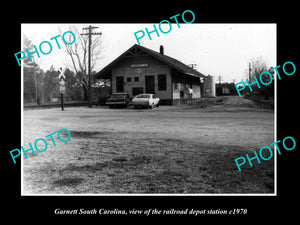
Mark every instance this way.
x=142 y=70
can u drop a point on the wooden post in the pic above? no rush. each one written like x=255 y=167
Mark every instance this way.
x=62 y=101
x=89 y=28
x=89 y=66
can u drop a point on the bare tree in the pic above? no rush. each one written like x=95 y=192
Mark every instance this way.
x=78 y=53
x=258 y=65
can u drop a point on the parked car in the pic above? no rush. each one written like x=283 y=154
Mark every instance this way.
x=145 y=100
x=118 y=99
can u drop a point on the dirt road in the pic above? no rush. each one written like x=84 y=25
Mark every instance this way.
x=164 y=150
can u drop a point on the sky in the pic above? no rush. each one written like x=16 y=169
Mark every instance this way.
x=218 y=49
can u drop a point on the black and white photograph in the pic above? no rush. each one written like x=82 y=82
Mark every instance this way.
x=160 y=117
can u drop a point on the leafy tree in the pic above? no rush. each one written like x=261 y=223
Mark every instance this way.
x=32 y=80
x=51 y=84
x=73 y=87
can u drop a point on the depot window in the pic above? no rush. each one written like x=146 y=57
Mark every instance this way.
x=162 y=82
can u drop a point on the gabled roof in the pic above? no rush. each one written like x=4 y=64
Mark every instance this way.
x=174 y=63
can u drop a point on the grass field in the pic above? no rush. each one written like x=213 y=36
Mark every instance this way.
x=184 y=149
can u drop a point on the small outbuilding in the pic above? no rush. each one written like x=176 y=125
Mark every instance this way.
x=142 y=70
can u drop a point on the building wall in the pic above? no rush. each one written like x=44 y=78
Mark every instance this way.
x=155 y=67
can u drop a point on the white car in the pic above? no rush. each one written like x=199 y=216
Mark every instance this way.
x=145 y=100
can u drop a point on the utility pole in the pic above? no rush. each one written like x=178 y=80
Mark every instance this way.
x=193 y=65
x=89 y=28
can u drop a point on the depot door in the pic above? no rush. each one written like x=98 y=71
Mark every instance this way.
x=149 y=85
x=119 y=84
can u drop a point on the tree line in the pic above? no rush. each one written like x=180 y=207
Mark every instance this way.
x=43 y=86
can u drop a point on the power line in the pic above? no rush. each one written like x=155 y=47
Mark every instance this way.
x=89 y=28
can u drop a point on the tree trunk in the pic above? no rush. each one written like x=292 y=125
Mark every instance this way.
x=85 y=93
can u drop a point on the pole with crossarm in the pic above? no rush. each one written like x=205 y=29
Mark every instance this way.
x=89 y=28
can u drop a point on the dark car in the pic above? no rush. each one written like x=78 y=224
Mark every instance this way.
x=118 y=99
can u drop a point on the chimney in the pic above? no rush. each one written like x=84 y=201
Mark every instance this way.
x=161 y=49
